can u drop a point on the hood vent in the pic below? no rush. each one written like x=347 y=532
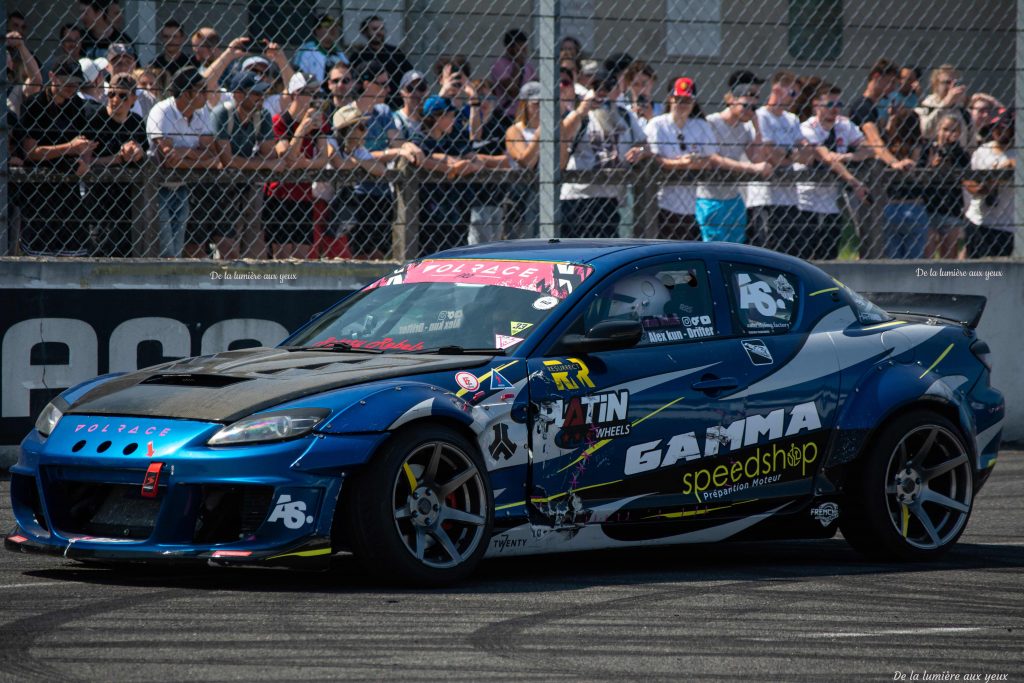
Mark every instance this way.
x=193 y=380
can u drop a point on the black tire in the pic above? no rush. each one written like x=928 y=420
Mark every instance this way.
x=912 y=495
x=398 y=531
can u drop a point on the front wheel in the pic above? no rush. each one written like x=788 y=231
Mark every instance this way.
x=913 y=495
x=422 y=511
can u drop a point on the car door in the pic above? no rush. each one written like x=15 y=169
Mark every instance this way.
x=790 y=400
x=612 y=432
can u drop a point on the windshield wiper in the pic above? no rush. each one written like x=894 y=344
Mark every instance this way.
x=454 y=350
x=334 y=346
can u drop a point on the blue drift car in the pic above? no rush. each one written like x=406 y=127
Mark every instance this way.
x=534 y=397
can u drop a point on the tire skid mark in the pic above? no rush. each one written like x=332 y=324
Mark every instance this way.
x=19 y=636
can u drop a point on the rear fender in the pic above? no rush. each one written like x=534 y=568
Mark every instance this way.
x=893 y=388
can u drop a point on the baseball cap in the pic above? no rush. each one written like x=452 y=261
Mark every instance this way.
x=371 y=69
x=301 y=81
x=684 y=87
x=69 y=68
x=346 y=116
x=530 y=92
x=740 y=82
x=248 y=82
x=256 y=60
x=605 y=80
x=117 y=49
x=437 y=105
x=1003 y=117
x=589 y=67
x=187 y=78
x=91 y=68
x=409 y=78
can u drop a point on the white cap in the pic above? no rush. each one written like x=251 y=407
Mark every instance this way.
x=91 y=68
x=300 y=81
x=255 y=59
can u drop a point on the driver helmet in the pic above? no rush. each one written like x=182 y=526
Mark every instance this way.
x=639 y=297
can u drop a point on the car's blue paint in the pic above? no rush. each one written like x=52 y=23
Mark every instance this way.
x=851 y=399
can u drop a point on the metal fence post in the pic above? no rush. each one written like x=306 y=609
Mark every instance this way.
x=1018 y=173
x=645 y=200
x=145 y=215
x=548 y=165
x=406 y=228
x=5 y=157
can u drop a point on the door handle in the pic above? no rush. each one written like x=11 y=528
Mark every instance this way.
x=716 y=384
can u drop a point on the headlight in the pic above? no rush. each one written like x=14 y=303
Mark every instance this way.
x=48 y=419
x=274 y=426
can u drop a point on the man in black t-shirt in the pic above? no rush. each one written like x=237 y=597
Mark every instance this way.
x=120 y=137
x=863 y=111
x=172 y=57
x=376 y=50
x=55 y=131
x=100 y=32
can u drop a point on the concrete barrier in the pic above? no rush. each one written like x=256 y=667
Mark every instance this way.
x=26 y=282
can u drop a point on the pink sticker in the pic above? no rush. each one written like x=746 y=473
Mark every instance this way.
x=467 y=380
x=503 y=342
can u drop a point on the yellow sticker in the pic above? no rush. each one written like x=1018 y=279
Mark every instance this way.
x=519 y=327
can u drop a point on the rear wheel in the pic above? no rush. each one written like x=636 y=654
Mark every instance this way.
x=914 y=492
x=422 y=510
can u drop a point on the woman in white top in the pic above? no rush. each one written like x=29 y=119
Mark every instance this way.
x=522 y=146
x=990 y=212
x=683 y=140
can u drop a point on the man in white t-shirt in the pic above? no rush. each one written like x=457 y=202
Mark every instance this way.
x=990 y=211
x=721 y=212
x=773 y=208
x=180 y=136
x=835 y=141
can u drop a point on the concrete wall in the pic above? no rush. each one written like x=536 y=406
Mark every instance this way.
x=1002 y=324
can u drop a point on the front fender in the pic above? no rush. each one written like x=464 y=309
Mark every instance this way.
x=390 y=405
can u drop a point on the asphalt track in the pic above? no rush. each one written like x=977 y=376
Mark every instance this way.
x=796 y=611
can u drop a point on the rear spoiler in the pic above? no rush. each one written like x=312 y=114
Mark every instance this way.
x=965 y=309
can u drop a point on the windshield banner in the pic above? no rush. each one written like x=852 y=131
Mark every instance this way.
x=545 y=277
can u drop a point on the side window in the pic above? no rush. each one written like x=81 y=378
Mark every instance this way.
x=764 y=300
x=672 y=301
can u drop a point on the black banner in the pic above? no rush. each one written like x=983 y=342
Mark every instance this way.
x=55 y=338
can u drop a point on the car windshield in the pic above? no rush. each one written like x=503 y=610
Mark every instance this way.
x=447 y=305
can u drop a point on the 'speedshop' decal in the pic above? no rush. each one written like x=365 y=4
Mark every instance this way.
x=467 y=380
x=545 y=303
x=554 y=279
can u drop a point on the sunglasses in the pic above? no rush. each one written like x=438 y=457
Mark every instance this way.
x=119 y=95
x=345 y=80
x=419 y=87
x=681 y=99
x=681 y=139
x=832 y=104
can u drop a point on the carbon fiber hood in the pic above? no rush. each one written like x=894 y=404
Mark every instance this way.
x=228 y=386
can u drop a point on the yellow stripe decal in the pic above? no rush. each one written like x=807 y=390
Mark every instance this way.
x=603 y=443
x=891 y=323
x=304 y=553
x=906 y=519
x=565 y=493
x=937 y=361
x=410 y=476
x=824 y=291
x=486 y=376
x=510 y=505
x=687 y=513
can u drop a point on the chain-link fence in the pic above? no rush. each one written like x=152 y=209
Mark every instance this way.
x=309 y=129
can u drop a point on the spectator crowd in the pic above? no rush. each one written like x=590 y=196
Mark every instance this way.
x=337 y=109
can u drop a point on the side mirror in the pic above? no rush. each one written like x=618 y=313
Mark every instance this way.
x=607 y=335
